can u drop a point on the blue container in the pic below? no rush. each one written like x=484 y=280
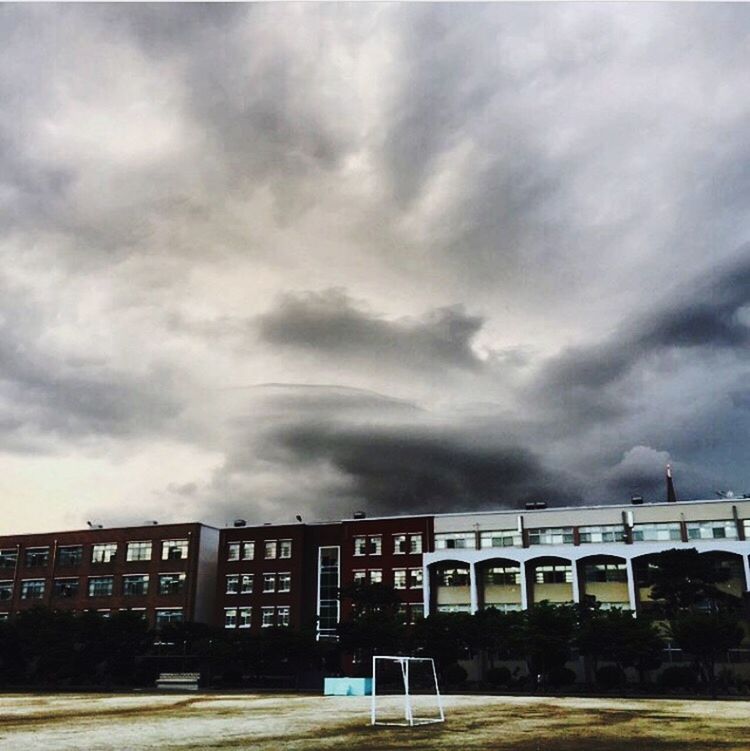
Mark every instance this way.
x=347 y=686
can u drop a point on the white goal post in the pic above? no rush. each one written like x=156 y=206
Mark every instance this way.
x=405 y=666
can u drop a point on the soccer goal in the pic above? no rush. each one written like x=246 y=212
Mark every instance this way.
x=405 y=691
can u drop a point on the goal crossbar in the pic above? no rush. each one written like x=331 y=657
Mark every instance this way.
x=410 y=719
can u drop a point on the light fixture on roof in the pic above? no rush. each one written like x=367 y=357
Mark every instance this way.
x=727 y=494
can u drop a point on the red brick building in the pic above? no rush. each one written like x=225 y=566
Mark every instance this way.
x=289 y=575
x=167 y=572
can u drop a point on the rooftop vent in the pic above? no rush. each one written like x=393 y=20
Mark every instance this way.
x=359 y=515
x=535 y=505
x=636 y=500
x=239 y=523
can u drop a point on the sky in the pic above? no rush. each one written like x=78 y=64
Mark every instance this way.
x=266 y=260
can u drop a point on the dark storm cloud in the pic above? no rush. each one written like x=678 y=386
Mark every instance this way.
x=402 y=467
x=707 y=314
x=331 y=323
x=168 y=171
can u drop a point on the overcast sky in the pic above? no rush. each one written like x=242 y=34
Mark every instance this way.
x=261 y=260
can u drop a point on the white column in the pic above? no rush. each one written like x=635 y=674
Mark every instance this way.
x=473 y=586
x=746 y=565
x=631 y=585
x=574 y=581
x=524 y=586
x=426 y=589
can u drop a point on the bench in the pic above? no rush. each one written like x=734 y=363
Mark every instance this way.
x=178 y=681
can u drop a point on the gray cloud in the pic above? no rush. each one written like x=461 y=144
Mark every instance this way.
x=521 y=229
x=331 y=323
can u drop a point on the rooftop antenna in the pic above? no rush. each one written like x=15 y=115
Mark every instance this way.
x=671 y=495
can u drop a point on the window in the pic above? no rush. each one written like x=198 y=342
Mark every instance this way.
x=415 y=578
x=168 y=615
x=376 y=545
x=451 y=540
x=246 y=584
x=605 y=533
x=230 y=617
x=233 y=551
x=285 y=548
x=454 y=577
x=551 y=536
x=101 y=586
x=174 y=550
x=555 y=574
x=359 y=577
x=376 y=576
x=399 y=578
x=360 y=546
x=4 y=616
x=502 y=538
x=245 y=617
x=233 y=584
x=718 y=530
x=37 y=556
x=171 y=584
x=285 y=582
x=8 y=558
x=248 y=550
x=65 y=587
x=70 y=555
x=32 y=589
x=266 y=616
x=6 y=590
x=269 y=582
x=399 y=544
x=329 y=579
x=416 y=612
x=282 y=615
x=415 y=543
x=659 y=532
x=606 y=572
x=138 y=551
x=104 y=612
x=502 y=576
x=103 y=552
x=269 y=548
x=135 y=584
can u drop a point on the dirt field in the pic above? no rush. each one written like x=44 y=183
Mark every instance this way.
x=307 y=723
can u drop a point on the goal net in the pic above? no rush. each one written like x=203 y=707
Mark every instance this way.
x=405 y=691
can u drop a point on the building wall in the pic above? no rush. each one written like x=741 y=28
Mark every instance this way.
x=118 y=567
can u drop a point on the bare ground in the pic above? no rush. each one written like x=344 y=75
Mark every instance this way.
x=311 y=723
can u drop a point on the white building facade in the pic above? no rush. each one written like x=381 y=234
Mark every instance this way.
x=510 y=560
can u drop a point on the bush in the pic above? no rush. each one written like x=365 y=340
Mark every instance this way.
x=561 y=676
x=610 y=676
x=678 y=676
x=499 y=676
x=455 y=675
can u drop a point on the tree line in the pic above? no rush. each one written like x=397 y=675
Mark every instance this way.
x=523 y=650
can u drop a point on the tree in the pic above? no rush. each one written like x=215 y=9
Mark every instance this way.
x=544 y=635
x=707 y=637
x=374 y=626
x=683 y=579
x=617 y=636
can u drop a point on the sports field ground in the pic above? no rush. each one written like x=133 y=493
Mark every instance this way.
x=313 y=723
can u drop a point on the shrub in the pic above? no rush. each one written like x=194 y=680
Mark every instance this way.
x=678 y=676
x=455 y=675
x=561 y=676
x=610 y=676
x=499 y=676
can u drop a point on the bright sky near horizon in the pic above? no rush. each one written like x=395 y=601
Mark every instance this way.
x=262 y=260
